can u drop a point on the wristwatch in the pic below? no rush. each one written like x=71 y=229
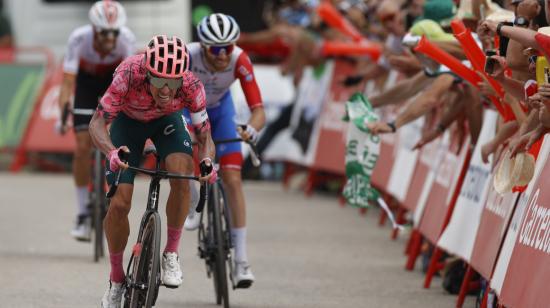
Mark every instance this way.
x=499 y=27
x=392 y=126
x=521 y=22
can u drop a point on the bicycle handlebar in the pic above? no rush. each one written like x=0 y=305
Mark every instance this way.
x=254 y=156
x=161 y=174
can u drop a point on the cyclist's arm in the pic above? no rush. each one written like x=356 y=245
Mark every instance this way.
x=107 y=110
x=100 y=135
x=196 y=98
x=67 y=88
x=245 y=73
x=70 y=69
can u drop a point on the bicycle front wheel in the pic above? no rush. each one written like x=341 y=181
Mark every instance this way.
x=145 y=272
x=98 y=203
x=220 y=273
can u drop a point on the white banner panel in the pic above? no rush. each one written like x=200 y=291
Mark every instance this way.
x=459 y=236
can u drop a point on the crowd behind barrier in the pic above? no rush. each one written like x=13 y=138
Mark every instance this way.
x=448 y=112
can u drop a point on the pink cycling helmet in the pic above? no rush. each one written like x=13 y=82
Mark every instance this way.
x=166 y=57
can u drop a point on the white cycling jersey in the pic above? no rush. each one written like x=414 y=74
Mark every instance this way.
x=216 y=84
x=81 y=55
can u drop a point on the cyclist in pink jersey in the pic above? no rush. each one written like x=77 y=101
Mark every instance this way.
x=217 y=62
x=93 y=53
x=144 y=101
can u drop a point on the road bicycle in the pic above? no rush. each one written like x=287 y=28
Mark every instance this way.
x=97 y=202
x=214 y=234
x=143 y=277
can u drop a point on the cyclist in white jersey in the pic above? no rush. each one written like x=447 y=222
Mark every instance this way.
x=93 y=52
x=217 y=62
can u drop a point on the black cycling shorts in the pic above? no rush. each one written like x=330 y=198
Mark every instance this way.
x=168 y=133
x=89 y=89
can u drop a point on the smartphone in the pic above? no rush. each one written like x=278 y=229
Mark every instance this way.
x=547 y=74
x=490 y=63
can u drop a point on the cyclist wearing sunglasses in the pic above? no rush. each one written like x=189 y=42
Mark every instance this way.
x=217 y=62
x=93 y=53
x=145 y=101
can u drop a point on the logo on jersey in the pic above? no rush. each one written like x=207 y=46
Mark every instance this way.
x=169 y=129
x=247 y=75
x=186 y=143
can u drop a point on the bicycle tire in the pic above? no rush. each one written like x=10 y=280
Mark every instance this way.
x=98 y=204
x=226 y=231
x=220 y=273
x=146 y=266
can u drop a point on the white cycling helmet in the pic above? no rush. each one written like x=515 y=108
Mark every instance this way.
x=109 y=15
x=218 y=29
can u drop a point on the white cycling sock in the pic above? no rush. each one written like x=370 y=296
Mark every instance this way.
x=238 y=236
x=82 y=199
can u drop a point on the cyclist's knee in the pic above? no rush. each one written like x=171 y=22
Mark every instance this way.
x=120 y=204
x=179 y=163
x=83 y=144
x=231 y=178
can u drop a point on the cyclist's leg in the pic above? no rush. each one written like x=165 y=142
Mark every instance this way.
x=224 y=127
x=129 y=132
x=85 y=103
x=173 y=144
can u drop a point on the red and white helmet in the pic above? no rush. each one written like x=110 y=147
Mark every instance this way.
x=167 y=57
x=107 y=14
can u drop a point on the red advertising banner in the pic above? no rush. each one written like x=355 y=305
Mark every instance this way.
x=382 y=170
x=331 y=145
x=443 y=187
x=423 y=166
x=528 y=274
x=495 y=216
x=41 y=135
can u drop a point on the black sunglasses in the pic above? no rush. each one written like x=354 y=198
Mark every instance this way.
x=107 y=32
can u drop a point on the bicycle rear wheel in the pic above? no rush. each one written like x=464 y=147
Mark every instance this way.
x=216 y=220
x=145 y=267
x=98 y=204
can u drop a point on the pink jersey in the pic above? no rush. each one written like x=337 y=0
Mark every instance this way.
x=129 y=93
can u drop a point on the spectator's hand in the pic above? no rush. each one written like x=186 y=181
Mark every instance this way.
x=427 y=138
x=544 y=92
x=487 y=28
x=379 y=128
x=486 y=150
x=535 y=101
x=519 y=144
x=500 y=66
x=485 y=87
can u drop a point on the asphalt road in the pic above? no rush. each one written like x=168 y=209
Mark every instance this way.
x=305 y=252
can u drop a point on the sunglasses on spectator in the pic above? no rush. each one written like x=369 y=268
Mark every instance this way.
x=217 y=50
x=107 y=32
x=159 y=82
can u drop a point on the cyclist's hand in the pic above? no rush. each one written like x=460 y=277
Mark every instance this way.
x=114 y=160
x=248 y=133
x=208 y=172
x=60 y=128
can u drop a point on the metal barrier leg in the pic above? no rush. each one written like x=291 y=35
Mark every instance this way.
x=414 y=250
x=434 y=266
x=465 y=287
x=400 y=218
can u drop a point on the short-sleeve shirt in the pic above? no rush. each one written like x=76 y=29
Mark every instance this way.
x=129 y=93
x=216 y=84
x=81 y=56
